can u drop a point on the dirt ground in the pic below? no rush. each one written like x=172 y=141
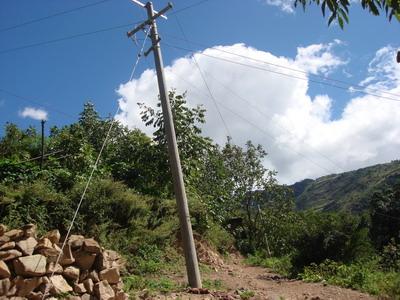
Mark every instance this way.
x=236 y=277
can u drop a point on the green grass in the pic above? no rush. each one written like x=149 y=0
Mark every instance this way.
x=366 y=277
x=280 y=265
x=246 y=295
x=215 y=284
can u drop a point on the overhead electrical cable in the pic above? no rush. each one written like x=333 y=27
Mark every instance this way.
x=28 y=100
x=94 y=168
x=269 y=115
x=188 y=7
x=43 y=43
x=52 y=16
x=70 y=37
x=276 y=72
x=205 y=83
x=325 y=78
x=263 y=131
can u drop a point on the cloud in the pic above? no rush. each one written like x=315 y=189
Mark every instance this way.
x=319 y=58
x=285 y=5
x=277 y=111
x=33 y=113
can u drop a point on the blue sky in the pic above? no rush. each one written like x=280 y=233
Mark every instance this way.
x=61 y=76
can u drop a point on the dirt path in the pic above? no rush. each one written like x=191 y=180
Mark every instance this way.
x=235 y=278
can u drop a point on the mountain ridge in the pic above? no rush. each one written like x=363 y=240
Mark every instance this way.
x=348 y=191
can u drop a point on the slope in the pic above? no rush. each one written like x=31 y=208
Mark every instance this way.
x=349 y=191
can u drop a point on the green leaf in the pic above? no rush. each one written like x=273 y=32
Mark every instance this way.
x=344 y=15
x=341 y=23
x=373 y=8
x=332 y=17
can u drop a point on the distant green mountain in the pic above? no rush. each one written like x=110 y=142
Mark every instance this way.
x=349 y=191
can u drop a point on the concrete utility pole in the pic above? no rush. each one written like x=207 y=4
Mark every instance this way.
x=42 y=157
x=192 y=265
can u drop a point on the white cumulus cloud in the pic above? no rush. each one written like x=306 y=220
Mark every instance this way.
x=297 y=130
x=319 y=58
x=285 y=5
x=33 y=113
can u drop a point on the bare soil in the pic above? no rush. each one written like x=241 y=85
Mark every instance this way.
x=235 y=278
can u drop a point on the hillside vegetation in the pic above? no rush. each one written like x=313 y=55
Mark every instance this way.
x=349 y=191
x=129 y=206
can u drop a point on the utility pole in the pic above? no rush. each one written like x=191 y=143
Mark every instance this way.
x=192 y=266
x=42 y=158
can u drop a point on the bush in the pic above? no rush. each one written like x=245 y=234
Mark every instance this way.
x=281 y=265
x=330 y=236
x=35 y=203
x=365 y=276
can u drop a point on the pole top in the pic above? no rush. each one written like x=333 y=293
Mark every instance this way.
x=144 y=6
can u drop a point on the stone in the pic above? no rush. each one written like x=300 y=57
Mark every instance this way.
x=109 y=259
x=44 y=243
x=71 y=273
x=88 y=284
x=29 y=230
x=121 y=296
x=103 y=291
x=76 y=241
x=53 y=236
x=118 y=286
x=51 y=253
x=4 y=270
x=59 y=285
x=67 y=258
x=91 y=246
x=3 y=229
x=5 y=286
x=86 y=297
x=79 y=288
x=35 y=296
x=34 y=265
x=94 y=276
x=111 y=275
x=26 y=286
x=7 y=246
x=12 y=291
x=14 y=234
x=52 y=267
x=72 y=297
x=4 y=239
x=84 y=260
x=84 y=274
x=9 y=254
x=27 y=246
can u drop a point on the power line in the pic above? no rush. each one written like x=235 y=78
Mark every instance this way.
x=205 y=82
x=90 y=32
x=188 y=7
x=94 y=168
x=25 y=99
x=266 y=133
x=325 y=78
x=264 y=113
x=52 y=16
x=279 y=73
x=70 y=37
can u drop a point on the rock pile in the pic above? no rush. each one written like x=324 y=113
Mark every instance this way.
x=28 y=267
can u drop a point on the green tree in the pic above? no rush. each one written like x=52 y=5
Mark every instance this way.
x=339 y=10
x=192 y=145
x=385 y=212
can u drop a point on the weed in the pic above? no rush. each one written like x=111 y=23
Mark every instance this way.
x=246 y=295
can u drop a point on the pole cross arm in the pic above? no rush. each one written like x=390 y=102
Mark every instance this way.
x=150 y=20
